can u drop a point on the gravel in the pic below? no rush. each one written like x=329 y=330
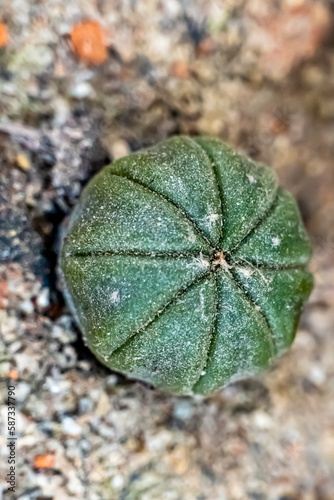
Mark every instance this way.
x=232 y=69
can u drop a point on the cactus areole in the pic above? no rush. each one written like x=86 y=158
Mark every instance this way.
x=185 y=265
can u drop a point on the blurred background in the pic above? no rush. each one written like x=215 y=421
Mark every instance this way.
x=86 y=82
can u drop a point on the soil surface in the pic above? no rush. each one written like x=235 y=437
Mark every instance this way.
x=257 y=74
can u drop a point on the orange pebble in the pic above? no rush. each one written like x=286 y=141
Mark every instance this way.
x=88 y=42
x=3 y=35
x=44 y=461
x=13 y=374
x=179 y=69
x=205 y=47
x=3 y=292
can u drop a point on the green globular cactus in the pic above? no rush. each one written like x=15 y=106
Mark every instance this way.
x=185 y=266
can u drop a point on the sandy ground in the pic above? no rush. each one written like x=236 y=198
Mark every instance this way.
x=258 y=75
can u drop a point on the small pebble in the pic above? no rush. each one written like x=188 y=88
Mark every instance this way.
x=27 y=307
x=70 y=427
x=183 y=410
x=82 y=90
x=43 y=299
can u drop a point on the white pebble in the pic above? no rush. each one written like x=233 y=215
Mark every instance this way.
x=71 y=427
